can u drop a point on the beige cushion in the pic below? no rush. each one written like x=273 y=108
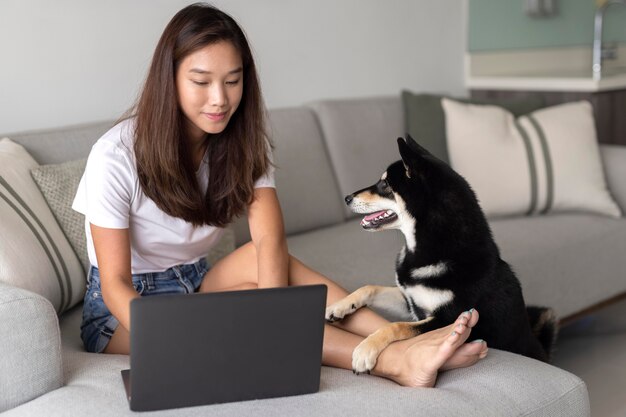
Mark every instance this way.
x=34 y=253
x=546 y=161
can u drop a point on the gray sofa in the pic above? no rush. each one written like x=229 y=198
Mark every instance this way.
x=323 y=152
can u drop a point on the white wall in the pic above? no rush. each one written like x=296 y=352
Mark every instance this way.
x=74 y=61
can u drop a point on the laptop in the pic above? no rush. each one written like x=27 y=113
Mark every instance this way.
x=197 y=349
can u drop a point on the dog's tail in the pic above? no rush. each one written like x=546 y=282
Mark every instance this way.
x=545 y=326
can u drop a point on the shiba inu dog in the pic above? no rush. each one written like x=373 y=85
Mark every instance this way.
x=450 y=263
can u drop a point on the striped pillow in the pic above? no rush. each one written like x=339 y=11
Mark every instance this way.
x=34 y=253
x=546 y=161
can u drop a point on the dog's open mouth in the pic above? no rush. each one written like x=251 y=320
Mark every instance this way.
x=374 y=220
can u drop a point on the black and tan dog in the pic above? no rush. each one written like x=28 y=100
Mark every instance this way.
x=450 y=263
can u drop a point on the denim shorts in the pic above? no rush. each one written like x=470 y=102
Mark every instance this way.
x=99 y=324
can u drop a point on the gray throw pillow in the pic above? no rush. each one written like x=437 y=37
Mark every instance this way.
x=58 y=184
x=425 y=120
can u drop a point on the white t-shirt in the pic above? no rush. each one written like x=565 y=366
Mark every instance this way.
x=109 y=195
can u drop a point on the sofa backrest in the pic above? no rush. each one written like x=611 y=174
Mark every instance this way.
x=54 y=146
x=323 y=152
x=305 y=182
x=360 y=135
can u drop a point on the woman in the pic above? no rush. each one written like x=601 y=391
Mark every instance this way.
x=153 y=211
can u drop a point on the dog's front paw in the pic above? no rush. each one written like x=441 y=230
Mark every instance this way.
x=337 y=311
x=364 y=357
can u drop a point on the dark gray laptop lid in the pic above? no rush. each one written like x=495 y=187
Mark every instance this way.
x=196 y=349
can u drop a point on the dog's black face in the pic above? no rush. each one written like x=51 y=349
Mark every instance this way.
x=404 y=191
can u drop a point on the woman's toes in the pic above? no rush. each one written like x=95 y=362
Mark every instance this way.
x=463 y=318
x=466 y=355
x=460 y=328
x=475 y=347
x=448 y=347
x=484 y=353
x=469 y=318
x=473 y=318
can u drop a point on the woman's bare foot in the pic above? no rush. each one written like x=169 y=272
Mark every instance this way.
x=415 y=362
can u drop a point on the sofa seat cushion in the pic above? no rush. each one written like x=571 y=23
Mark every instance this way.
x=551 y=254
x=501 y=384
x=545 y=252
x=349 y=255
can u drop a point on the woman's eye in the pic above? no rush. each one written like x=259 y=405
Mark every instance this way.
x=199 y=82
x=234 y=82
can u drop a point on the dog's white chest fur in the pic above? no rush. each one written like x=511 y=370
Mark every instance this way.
x=428 y=299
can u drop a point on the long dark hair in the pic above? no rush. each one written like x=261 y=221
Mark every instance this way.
x=238 y=156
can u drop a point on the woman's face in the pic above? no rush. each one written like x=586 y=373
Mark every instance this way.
x=210 y=84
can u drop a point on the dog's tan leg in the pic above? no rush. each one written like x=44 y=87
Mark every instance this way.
x=362 y=297
x=365 y=355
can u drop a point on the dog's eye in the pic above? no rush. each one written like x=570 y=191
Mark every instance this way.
x=384 y=183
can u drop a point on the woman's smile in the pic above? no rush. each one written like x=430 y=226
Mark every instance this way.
x=216 y=117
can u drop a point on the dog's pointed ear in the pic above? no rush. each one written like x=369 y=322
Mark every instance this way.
x=407 y=155
x=416 y=147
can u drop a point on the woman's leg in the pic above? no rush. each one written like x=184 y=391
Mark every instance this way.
x=412 y=362
x=239 y=271
x=119 y=343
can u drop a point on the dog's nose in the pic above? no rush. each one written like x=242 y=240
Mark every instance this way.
x=349 y=199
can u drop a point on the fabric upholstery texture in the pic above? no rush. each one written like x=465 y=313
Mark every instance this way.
x=482 y=390
x=546 y=161
x=58 y=184
x=549 y=253
x=424 y=118
x=34 y=253
x=30 y=347
x=614 y=158
x=566 y=261
x=305 y=181
x=55 y=146
x=360 y=135
x=224 y=246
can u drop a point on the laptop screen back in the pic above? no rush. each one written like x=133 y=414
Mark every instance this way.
x=196 y=349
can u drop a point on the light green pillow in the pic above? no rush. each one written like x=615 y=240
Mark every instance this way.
x=58 y=184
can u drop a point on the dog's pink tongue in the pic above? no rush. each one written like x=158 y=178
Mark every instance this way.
x=374 y=215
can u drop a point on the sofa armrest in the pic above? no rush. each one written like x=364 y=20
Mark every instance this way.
x=30 y=347
x=614 y=158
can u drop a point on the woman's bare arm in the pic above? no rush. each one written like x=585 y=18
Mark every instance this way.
x=113 y=253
